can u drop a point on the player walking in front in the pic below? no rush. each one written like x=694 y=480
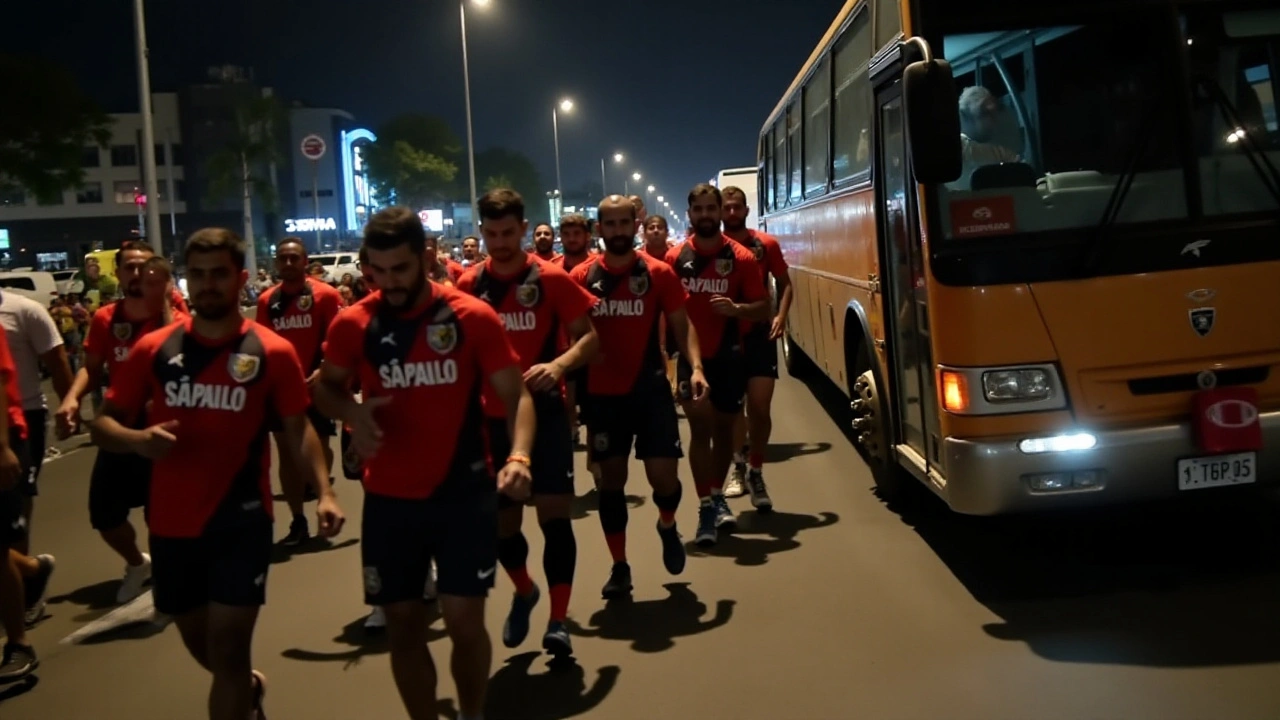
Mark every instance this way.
x=539 y=305
x=422 y=353
x=575 y=240
x=211 y=388
x=724 y=286
x=300 y=310
x=628 y=397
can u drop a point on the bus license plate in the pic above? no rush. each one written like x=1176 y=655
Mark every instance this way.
x=1217 y=471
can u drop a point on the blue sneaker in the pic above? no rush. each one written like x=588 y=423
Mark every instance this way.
x=724 y=516
x=706 y=525
x=673 y=555
x=556 y=641
x=516 y=628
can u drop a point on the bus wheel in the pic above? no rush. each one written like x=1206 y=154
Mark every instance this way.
x=871 y=434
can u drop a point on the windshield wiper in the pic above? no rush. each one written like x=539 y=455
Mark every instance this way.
x=1256 y=155
x=1093 y=251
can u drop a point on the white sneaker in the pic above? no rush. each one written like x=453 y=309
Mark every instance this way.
x=429 y=592
x=733 y=485
x=134 y=578
x=377 y=619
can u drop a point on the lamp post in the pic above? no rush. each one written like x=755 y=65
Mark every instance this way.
x=604 y=181
x=565 y=105
x=466 y=83
x=150 y=186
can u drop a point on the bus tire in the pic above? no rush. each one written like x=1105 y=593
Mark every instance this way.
x=871 y=433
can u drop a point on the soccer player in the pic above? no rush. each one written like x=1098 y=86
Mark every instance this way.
x=575 y=239
x=539 y=305
x=760 y=346
x=211 y=388
x=724 y=286
x=19 y=658
x=544 y=242
x=300 y=310
x=628 y=397
x=423 y=353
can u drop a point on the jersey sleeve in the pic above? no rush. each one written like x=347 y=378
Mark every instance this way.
x=773 y=260
x=344 y=343
x=752 y=280
x=493 y=345
x=572 y=300
x=289 y=394
x=466 y=281
x=671 y=293
x=179 y=302
x=41 y=329
x=131 y=381
x=98 y=338
x=263 y=316
x=330 y=305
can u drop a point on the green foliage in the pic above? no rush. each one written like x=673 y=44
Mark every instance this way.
x=506 y=168
x=244 y=161
x=415 y=161
x=45 y=124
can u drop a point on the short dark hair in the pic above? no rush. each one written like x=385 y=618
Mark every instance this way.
x=637 y=202
x=363 y=256
x=471 y=237
x=291 y=240
x=702 y=189
x=657 y=218
x=135 y=245
x=549 y=226
x=735 y=191
x=212 y=240
x=574 y=220
x=160 y=265
x=392 y=227
x=499 y=203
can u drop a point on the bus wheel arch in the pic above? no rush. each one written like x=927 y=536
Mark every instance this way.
x=871 y=424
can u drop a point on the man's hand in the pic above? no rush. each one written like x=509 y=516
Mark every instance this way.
x=329 y=517
x=10 y=469
x=312 y=378
x=541 y=378
x=776 y=329
x=366 y=436
x=515 y=481
x=68 y=417
x=158 y=440
x=698 y=386
x=724 y=306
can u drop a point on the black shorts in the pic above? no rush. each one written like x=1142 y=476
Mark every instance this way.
x=551 y=462
x=37 y=430
x=577 y=380
x=402 y=537
x=761 y=353
x=226 y=565
x=118 y=483
x=727 y=377
x=325 y=427
x=646 y=416
x=13 y=527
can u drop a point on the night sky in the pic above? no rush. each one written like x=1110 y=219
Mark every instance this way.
x=681 y=87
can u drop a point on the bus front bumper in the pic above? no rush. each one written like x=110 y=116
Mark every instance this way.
x=991 y=476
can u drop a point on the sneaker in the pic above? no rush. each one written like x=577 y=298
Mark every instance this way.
x=135 y=576
x=619 y=585
x=556 y=640
x=673 y=555
x=259 y=694
x=377 y=621
x=760 y=499
x=298 y=532
x=724 y=516
x=18 y=662
x=37 y=588
x=516 y=628
x=429 y=592
x=706 y=534
x=733 y=487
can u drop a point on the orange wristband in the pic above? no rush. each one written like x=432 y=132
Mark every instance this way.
x=519 y=458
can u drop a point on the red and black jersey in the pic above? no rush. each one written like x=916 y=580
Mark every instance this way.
x=112 y=334
x=631 y=302
x=768 y=254
x=432 y=361
x=177 y=302
x=549 y=256
x=226 y=396
x=536 y=306
x=728 y=270
x=302 y=318
x=566 y=263
x=12 y=392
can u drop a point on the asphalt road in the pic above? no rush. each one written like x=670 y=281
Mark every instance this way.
x=835 y=607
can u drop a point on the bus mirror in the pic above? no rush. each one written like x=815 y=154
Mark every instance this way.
x=933 y=121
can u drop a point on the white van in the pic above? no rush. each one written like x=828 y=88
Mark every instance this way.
x=336 y=265
x=39 y=286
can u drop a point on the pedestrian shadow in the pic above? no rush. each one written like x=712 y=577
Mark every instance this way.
x=21 y=687
x=362 y=643
x=285 y=553
x=760 y=535
x=782 y=452
x=561 y=692
x=584 y=505
x=653 y=625
x=97 y=599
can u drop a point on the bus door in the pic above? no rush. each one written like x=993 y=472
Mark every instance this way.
x=904 y=298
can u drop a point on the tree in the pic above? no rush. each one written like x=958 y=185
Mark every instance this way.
x=241 y=166
x=517 y=172
x=415 y=161
x=46 y=123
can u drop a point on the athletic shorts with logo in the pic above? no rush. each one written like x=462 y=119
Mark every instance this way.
x=118 y=483
x=13 y=526
x=551 y=460
x=37 y=427
x=646 y=417
x=227 y=564
x=726 y=374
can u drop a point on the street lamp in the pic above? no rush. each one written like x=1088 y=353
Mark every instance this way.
x=150 y=186
x=618 y=157
x=651 y=188
x=604 y=180
x=466 y=84
x=661 y=200
x=635 y=176
x=566 y=105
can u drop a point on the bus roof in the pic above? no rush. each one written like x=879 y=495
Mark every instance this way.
x=845 y=13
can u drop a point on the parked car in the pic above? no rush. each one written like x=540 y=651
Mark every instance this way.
x=39 y=286
x=336 y=265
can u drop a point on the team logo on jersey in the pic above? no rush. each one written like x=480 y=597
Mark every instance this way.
x=122 y=331
x=442 y=338
x=724 y=266
x=527 y=295
x=759 y=251
x=243 y=367
x=639 y=284
x=304 y=302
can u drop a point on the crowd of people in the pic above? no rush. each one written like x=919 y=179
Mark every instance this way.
x=497 y=358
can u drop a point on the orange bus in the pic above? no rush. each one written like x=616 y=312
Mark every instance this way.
x=1038 y=244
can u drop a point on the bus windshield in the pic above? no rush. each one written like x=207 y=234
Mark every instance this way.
x=1053 y=119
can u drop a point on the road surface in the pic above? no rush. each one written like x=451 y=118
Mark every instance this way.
x=835 y=607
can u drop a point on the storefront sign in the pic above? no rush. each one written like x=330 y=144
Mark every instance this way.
x=304 y=225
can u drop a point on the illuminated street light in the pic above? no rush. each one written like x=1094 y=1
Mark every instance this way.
x=566 y=105
x=652 y=188
x=618 y=157
x=635 y=176
x=661 y=200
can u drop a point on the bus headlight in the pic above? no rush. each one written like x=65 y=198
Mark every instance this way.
x=1000 y=390
x=1016 y=385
